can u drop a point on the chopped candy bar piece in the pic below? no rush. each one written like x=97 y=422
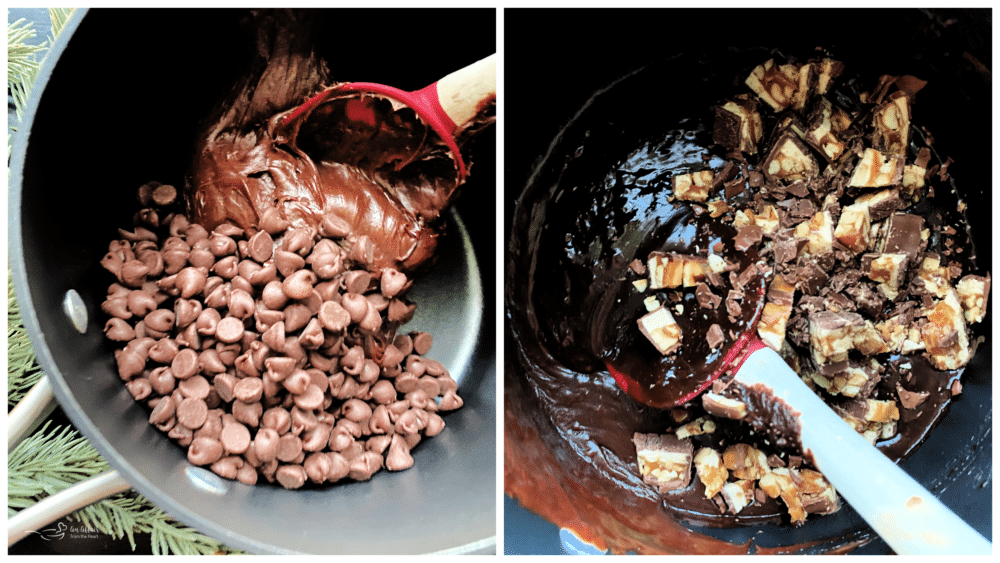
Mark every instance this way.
x=779 y=483
x=877 y=170
x=818 y=495
x=694 y=186
x=660 y=328
x=880 y=411
x=880 y=204
x=831 y=335
x=738 y=495
x=854 y=228
x=859 y=379
x=829 y=70
x=768 y=220
x=780 y=291
x=807 y=75
x=901 y=233
x=772 y=324
x=892 y=124
x=790 y=160
x=887 y=269
x=944 y=334
x=868 y=340
x=745 y=461
x=675 y=270
x=819 y=232
x=664 y=460
x=738 y=125
x=696 y=427
x=723 y=406
x=711 y=472
x=773 y=84
x=820 y=134
x=913 y=181
x=717 y=208
x=974 y=293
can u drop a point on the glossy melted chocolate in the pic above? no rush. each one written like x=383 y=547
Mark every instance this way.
x=365 y=159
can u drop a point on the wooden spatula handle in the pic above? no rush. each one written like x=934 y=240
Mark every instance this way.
x=463 y=92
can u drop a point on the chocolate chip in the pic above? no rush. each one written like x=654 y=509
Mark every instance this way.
x=422 y=342
x=235 y=438
x=191 y=413
x=204 y=451
x=229 y=330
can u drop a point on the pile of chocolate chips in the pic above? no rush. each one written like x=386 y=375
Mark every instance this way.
x=270 y=353
x=867 y=273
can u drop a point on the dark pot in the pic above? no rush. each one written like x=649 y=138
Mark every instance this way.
x=117 y=106
x=612 y=77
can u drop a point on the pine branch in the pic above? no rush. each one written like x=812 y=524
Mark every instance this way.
x=23 y=371
x=58 y=18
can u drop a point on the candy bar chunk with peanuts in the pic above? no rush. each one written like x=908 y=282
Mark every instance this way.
x=738 y=494
x=854 y=228
x=859 y=379
x=697 y=427
x=667 y=271
x=718 y=405
x=889 y=270
x=745 y=461
x=664 y=460
x=774 y=84
x=774 y=318
x=892 y=124
x=711 y=472
x=828 y=70
x=790 y=160
x=694 y=186
x=880 y=411
x=738 y=125
x=831 y=335
x=768 y=220
x=944 y=334
x=660 y=328
x=779 y=483
x=820 y=132
x=876 y=170
x=819 y=230
x=817 y=494
x=974 y=293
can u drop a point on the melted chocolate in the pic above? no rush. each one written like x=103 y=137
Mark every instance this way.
x=361 y=157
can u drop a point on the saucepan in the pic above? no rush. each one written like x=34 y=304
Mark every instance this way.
x=118 y=106
x=621 y=76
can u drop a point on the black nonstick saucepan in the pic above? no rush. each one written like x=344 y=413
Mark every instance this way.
x=117 y=106
x=623 y=75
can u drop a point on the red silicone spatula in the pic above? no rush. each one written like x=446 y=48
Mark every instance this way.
x=446 y=105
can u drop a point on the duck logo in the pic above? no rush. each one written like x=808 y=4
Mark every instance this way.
x=49 y=534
